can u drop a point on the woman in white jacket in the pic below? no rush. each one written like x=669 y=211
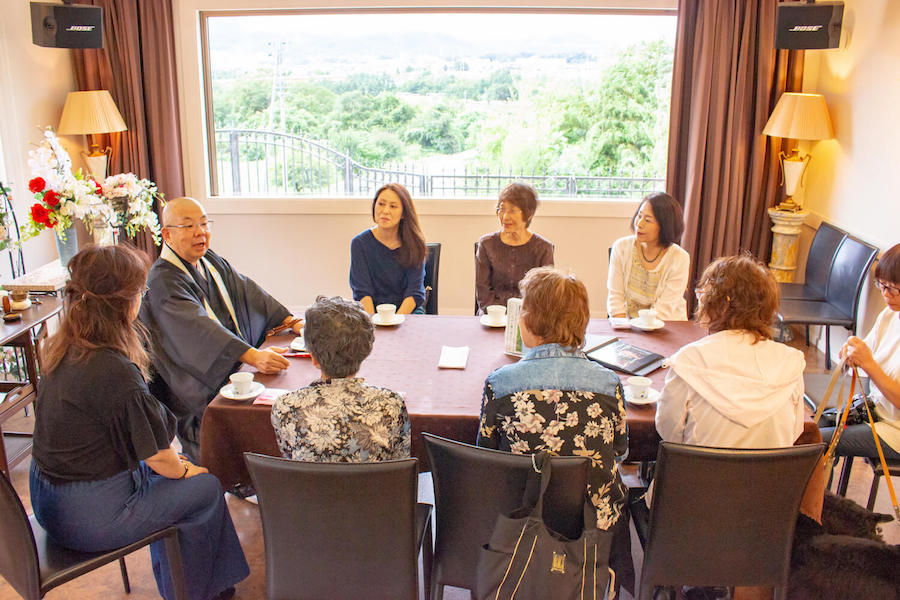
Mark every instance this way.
x=649 y=268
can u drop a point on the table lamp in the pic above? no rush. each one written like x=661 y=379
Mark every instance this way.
x=91 y=113
x=797 y=117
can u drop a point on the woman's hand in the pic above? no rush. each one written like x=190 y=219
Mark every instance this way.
x=169 y=464
x=858 y=354
x=268 y=361
x=192 y=469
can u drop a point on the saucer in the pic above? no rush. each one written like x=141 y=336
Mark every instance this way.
x=637 y=323
x=256 y=388
x=486 y=321
x=376 y=318
x=21 y=305
x=652 y=397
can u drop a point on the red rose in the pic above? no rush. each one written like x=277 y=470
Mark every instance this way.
x=40 y=215
x=37 y=185
x=51 y=198
x=97 y=187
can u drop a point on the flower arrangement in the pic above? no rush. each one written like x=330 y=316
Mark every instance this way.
x=61 y=194
x=132 y=202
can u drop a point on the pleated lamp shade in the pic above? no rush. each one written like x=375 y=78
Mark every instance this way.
x=800 y=117
x=89 y=113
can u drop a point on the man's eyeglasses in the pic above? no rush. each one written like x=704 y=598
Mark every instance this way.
x=203 y=226
x=890 y=290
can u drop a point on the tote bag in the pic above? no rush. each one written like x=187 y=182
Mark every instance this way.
x=526 y=560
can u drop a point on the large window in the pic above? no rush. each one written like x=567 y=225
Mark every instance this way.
x=451 y=104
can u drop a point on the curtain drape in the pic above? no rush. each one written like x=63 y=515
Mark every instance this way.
x=727 y=77
x=137 y=66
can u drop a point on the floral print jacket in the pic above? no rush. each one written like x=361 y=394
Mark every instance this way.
x=341 y=420
x=563 y=403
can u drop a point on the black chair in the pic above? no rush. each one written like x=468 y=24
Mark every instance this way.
x=878 y=472
x=472 y=486
x=33 y=564
x=432 y=268
x=341 y=530
x=818 y=265
x=845 y=280
x=476 y=291
x=724 y=517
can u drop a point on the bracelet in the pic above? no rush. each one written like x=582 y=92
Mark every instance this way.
x=186 y=469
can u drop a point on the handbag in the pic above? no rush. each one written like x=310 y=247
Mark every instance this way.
x=526 y=560
x=857 y=415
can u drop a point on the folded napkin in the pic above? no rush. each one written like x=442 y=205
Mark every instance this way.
x=269 y=396
x=453 y=357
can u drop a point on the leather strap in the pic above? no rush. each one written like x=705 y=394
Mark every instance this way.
x=884 y=466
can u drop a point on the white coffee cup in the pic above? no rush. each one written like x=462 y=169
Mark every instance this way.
x=647 y=316
x=639 y=387
x=241 y=382
x=496 y=313
x=386 y=312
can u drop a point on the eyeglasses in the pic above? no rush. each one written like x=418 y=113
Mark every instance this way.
x=890 y=290
x=202 y=226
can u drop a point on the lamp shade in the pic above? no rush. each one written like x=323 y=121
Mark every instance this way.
x=90 y=112
x=800 y=117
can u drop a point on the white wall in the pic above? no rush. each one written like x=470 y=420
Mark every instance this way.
x=853 y=180
x=35 y=82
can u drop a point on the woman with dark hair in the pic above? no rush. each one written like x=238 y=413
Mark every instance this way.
x=338 y=417
x=878 y=355
x=387 y=261
x=103 y=473
x=649 y=269
x=735 y=388
x=555 y=398
x=503 y=257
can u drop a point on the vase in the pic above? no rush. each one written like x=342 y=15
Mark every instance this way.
x=67 y=248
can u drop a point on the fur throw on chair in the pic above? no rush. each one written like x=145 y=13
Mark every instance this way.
x=844 y=557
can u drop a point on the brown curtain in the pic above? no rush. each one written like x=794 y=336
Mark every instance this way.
x=137 y=66
x=727 y=78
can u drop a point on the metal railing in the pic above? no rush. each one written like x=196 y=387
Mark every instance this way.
x=252 y=162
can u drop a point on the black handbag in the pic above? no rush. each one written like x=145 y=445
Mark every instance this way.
x=856 y=415
x=527 y=560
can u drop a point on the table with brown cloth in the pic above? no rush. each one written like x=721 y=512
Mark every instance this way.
x=445 y=402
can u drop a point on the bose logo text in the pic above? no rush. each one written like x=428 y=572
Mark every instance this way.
x=80 y=28
x=805 y=28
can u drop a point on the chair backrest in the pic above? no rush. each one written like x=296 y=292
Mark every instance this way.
x=432 y=269
x=337 y=530
x=848 y=272
x=821 y=255
x=476 y=291
x=724 y=516
x=472 y=486
x=18 y=554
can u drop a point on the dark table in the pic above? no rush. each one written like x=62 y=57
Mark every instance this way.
x=445 y=402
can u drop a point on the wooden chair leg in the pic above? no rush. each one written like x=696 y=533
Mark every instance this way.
x=125 y=583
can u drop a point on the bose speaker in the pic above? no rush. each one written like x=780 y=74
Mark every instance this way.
x=66 y=25
x=808 y=26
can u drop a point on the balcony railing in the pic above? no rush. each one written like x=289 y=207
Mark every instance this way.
x=257 y=163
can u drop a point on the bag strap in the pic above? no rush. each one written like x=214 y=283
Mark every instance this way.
x=887 y=472
x=835 y=375
x=540 y=463
x=828 y=459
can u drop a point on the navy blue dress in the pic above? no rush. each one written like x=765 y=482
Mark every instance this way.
x=95 y=423
x=375 y=272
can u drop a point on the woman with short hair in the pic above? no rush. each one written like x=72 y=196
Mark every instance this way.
x=735 y=388
x=103 y=473
x=878 y=355
x=338 y=417
x=649 y=269
x=503 y=257
x=387 y=261
x=555 y=399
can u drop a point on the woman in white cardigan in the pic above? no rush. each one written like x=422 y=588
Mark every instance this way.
x=649 y=269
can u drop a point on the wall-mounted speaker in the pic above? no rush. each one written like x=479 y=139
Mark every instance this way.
x=66 y=25
x=808 y=26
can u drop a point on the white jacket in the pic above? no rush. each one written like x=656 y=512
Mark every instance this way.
x=674 y=269
x=725 y=391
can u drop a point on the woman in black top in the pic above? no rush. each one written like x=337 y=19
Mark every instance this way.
x=104 y=473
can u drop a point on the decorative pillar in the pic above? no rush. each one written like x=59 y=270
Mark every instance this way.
x=785 y=242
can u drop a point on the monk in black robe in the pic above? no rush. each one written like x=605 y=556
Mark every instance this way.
x=204 y=319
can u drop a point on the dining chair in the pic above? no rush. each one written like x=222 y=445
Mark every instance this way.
x=432 y=269
x=821 y=255
x=33 y=564
x=476 y=291
x=845 y=280
x=341 y=530
x=724 y=516
x=472 y=486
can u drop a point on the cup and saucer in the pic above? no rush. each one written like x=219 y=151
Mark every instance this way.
x=386 y=315
x=242 y=387
x=646 y=320
x=494 y=316
x=639 y=392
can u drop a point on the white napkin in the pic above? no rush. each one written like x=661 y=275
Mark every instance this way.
x=269 y=396
x=453 y=357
